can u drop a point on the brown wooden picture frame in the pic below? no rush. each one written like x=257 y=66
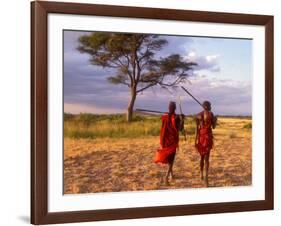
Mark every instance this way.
x=39 y=112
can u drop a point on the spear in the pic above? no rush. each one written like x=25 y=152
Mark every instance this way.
x=199 y=104
x=183 y=129
x=192 y=96
x=152 y=111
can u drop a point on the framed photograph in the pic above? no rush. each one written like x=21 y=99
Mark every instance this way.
x=148 y=112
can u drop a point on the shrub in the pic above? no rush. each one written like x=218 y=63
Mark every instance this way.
x=248 y=126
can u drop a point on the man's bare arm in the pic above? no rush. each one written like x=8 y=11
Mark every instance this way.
x=180 y=122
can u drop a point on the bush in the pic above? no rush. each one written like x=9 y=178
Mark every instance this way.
x=67 y=116
x=248 y=126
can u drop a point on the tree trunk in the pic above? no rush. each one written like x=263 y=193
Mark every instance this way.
x=131 y=105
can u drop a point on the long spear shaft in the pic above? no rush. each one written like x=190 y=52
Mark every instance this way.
x=183 y=129
x=192 y=96
x=152 y=111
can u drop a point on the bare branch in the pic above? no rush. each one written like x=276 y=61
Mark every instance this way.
x=146 y=87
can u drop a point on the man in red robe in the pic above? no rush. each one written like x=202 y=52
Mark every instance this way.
x=169 y=139
x=205 y=121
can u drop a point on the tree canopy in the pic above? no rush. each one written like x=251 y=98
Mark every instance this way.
x=136 y=60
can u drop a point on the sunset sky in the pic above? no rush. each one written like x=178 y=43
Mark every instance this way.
x=223 y=76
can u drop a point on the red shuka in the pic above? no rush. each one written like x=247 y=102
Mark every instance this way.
x=205 y=135
x=169 y=138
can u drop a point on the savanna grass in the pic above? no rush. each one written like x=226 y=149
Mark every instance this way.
x=115 y=126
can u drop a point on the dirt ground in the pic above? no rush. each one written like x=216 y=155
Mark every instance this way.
x=112 y=165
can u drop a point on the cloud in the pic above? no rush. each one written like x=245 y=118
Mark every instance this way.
x=209 y=62
x=228 y=97
x=86 y=88
x=83 y=108
x=176 y=45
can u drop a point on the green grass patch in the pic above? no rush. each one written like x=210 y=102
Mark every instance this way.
x=248 y=126
x=115 y=126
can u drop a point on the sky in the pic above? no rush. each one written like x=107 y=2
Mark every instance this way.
x=223 y=76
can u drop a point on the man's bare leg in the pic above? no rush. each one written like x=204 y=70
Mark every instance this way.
x=168 y=173
x=201 y=167
x=171 y=169
x=207 y=157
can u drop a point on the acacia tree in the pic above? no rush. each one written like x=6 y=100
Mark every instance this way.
x=134 y=58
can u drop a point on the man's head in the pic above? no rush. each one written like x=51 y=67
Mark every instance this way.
x=172 y=107
x=207 y=105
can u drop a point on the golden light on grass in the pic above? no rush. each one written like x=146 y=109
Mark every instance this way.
x=106 y=162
